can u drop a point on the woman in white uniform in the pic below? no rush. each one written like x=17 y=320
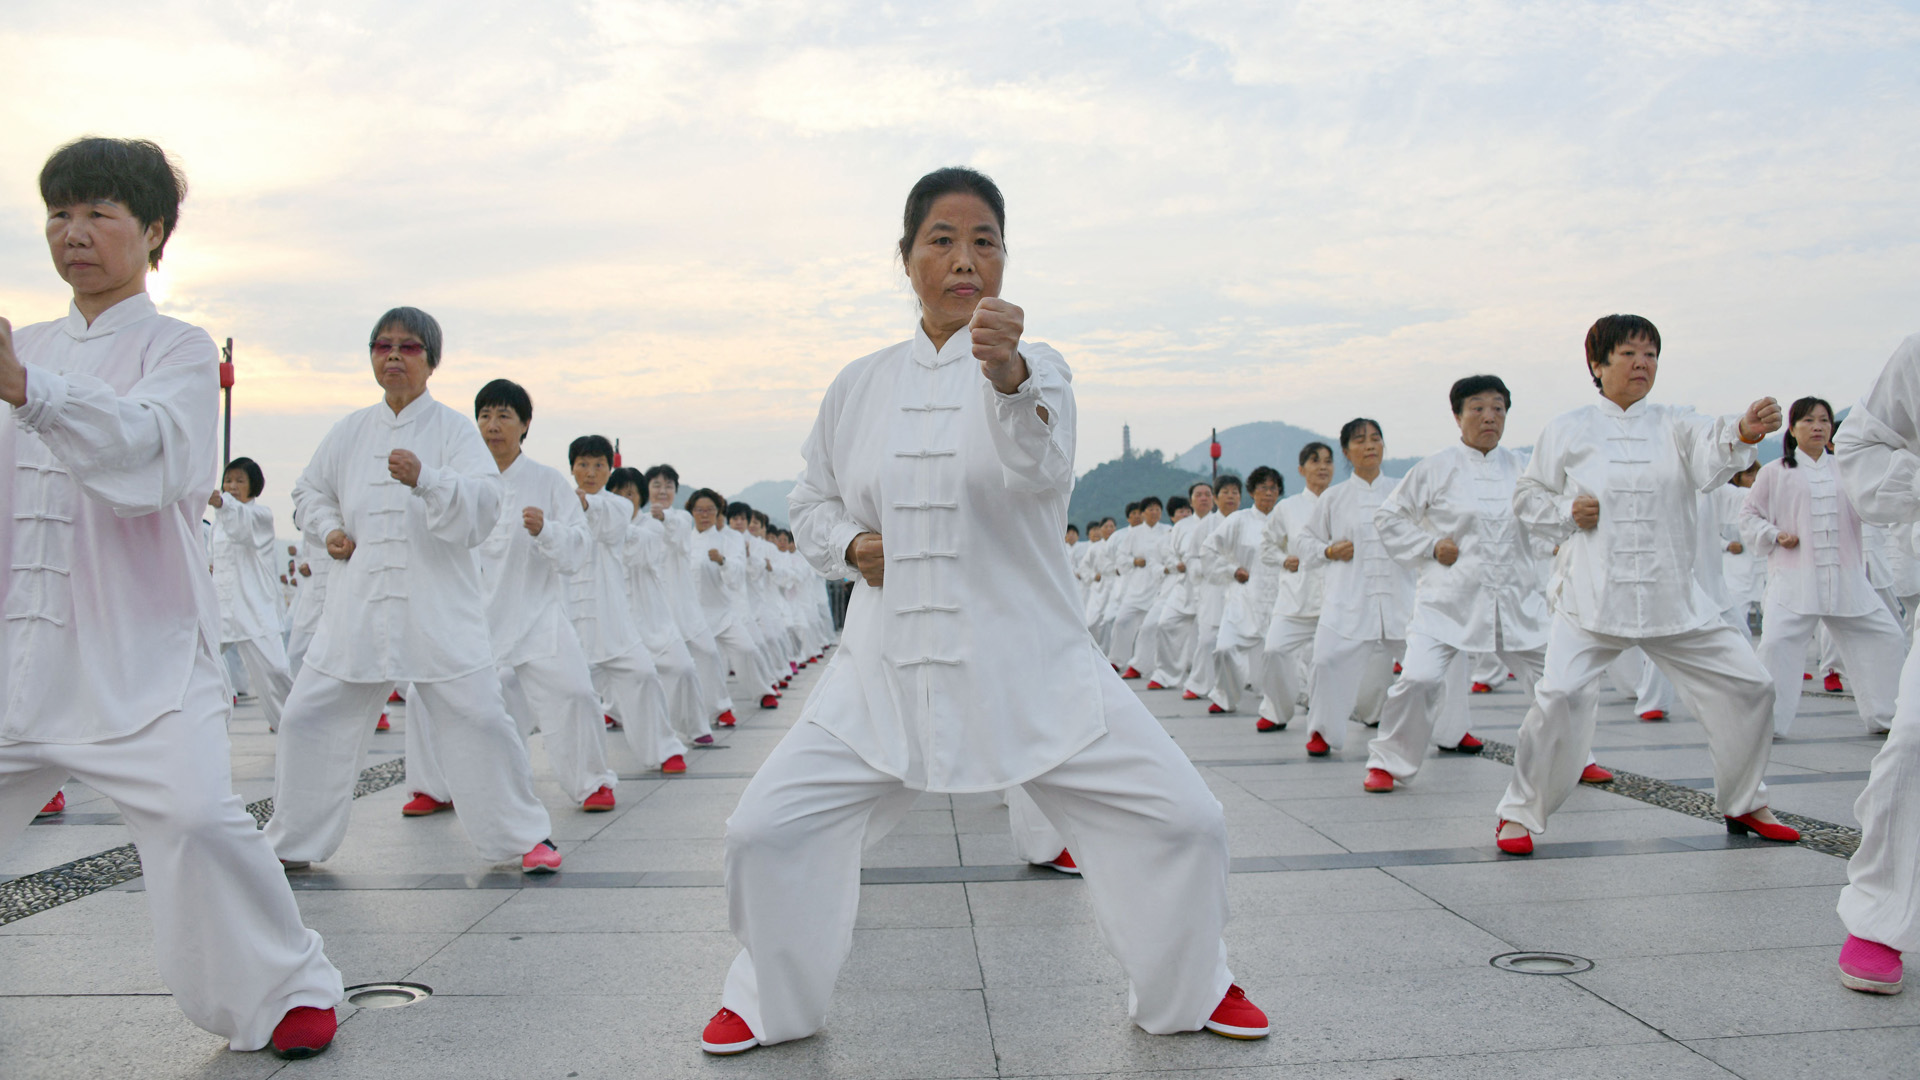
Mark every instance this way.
x=112 y=628
x=1176 y=627
x=720 y=572
x=1798 y=517
x=964 y=665
x=677 y=571
x=1286 y=666
x=242 y=548
x=1368 y=600
x=1252 y=559
x=1613 y=484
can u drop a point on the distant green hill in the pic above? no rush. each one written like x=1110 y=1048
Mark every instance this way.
x=1245 y=447
x=1107 y=488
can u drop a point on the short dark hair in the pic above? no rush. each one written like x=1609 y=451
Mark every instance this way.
x=133 y=172
x=1228 y=480
x=761 y=517
x=1177 y=504
x=1133 y=508
x=1611 y=331
x=1313 y=450
x=1107 y=521
x=626 y=477
x=415 y=322
x=665 y=470
x=1094 y=524
x=1197 y=485
x=257 y=480
x=1477 y=384
x=1263 y=474
x=1072 y=528
x=953 y=180
x=719 y=502
x=1350 y=430
x=738 y=509
x=1797 y=412
x=589 y=446
x=1151 y=500
x=506 y=392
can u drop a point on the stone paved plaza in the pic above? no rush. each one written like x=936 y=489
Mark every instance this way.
x=1363 y=924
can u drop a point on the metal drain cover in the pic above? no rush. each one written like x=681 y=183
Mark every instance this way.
x=1542 y=963
x=392 y=995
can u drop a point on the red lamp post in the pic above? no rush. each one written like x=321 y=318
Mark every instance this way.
x=1214 y=453
x=226 y=390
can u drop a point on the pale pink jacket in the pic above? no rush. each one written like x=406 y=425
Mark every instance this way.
x=1827 y=573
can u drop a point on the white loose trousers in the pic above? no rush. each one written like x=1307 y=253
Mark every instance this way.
x=1149 y=838
x=1350 y=678
x=1882 y=899
x=1034 y=837
x=322 y=743
x=738 y=648
x=1286 y=669
x=1175 y=634
x=630 y=685
x=1872 y=651
x=227 y=934
x=1717 y=676
x=265 y=659
x=1428 y=688
x=1634 y=674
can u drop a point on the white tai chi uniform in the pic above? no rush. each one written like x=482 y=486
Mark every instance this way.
x=1241 y=543
x=406 y=607
x=1823 y=581
x=677 y=576
x=1364 y=611
x=624 y=674
x=544 y=678
x=110 y=671
x=1146 y=643
x=1286 y=665
x=723 y=597
x=1035 y=839
x=308 y=603
x=1139 y=586
x=1878 y=452
x=1488 y=601
x=647 y=546
x=250 y=611
x=1629 y=581
x=1176 y=628
x=1209 y=574
x=969 y=670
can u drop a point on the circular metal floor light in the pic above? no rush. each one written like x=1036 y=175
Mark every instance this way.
x=1542 y=963
x=391 y=995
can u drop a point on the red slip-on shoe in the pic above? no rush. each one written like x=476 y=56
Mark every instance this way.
x=1063 y=862
x=1317 y=746
x=1378 y=781
x=1832 y=683
x=726 y=1033
x=381 y=724
x=612 y=724
x=1265 y=726
x=1594 y=774
x=1238 y=1018
x=395 y=698
x=1467 y=745
x=1396 y=667
x=303 y=1032
x=1869 y=967
x=1806 y=676
x=725 y=719
x=1482 y=688
x=703 y=740
x=1654 y=716
x=1512 y=845
x=543 y=859
x=769 y=701
x=1778 y=833
x=1151 y=685
x=1189 y=695
x=1130 y=673
x=675 y=764
x=54 y=805
x=423 y=804
x=1214 y=710
x=600 y=801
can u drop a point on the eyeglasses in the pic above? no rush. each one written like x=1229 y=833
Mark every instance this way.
x=412 y=350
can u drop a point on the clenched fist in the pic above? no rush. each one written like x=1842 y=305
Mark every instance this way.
x=13 y=374
x=404 y=466
x=534 y=519
x=868 y=555
x=1340 y=551
x=1446 y=552
x=996 y=327
x=340 y=545
x=1762 y=418
x=1586 y=512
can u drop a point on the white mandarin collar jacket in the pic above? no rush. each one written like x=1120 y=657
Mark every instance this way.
x=242 y=549
x=1298 y=594
x=1632 y=575
x=524 y=576
x=109 y=464
x=1466 y=496
x=1370 y=596
x=971 y=669
x=597 y=599
x=407 y=606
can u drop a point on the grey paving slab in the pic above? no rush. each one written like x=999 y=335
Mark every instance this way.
x=913 y=958
x=608 y=911
x=563 y=963
x=1760 y=991
x=895 y=906
x=145 y=1037
x=1546 y=880
x=1639 y=1061
x=1669 y=924
x=1889 y=1053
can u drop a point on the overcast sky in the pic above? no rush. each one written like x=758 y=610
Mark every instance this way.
x=674 y=222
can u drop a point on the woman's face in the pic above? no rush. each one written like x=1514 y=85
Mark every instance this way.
x=1483 y=420
x=1813 y=430
x=660 y=491
x=1265 y=495
x=235 y=484
x=1366 y=449
x=99 y=247
x=957 y=257
x=400 y=362
x=1630 y=371
x=705 y=514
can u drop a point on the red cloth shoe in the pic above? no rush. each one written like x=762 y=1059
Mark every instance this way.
x=1594 y=774
x=1482 y=688
x=1215 y=710
x=54 y=805
x=703 y=740
x=1516 y=845
x=1130 y=673
x=1833 y=683
x=600 y=801
x=1378 y=781
x=543 y=859
x=725 y=719
x=612 y=724
x=395 y=698
x=1151 y=685
x=1238 y=1018
x=1467 y=745
x=1396 y=667
x=423 y=804
x=1189 y=696
x=769 y=701
x=1747 y=823
x=381 y=724
x=1317 y=746
x=1869 y=967
x=676 y=763
x=1806 y=676
x=726 y=1033
x=1652 y=716
x=1264 y=726
x=1063 y=862
x=303 y=1032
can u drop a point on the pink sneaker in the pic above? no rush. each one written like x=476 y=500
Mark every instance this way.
x=543 y=859
x=1869 y=967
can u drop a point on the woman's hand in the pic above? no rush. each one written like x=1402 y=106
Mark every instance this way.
x=1736 y=548
x=1446 y=552
x=214 y=500
x=1292 y=564
x=1340 y=551
x=1586 y=512
x=340 y=545
x=534 y=519
x=1788 y=540
x=1762 y=418
x=714 y=557
x=1240 y=575
x=404 y=466
x=867 y=555
x=996 y=327
x=13 y=374
x=1138 y=561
